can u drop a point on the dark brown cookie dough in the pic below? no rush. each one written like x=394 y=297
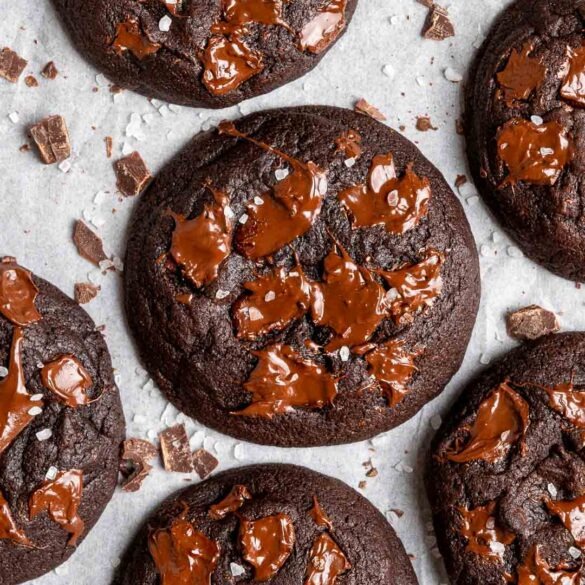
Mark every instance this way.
x=296 y=326
x=506 y=478
x=310 y=528
x=526 y=129
x=61 y=425
x=214 y=54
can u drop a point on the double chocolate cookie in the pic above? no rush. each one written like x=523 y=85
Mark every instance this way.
x=211 y=53
x=526 y=129
x=280 y=524
x=303 y=277
x=507 y=475
x=61 y=425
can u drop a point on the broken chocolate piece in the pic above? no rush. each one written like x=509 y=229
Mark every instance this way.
x=531 y=323
x=50 y=71
x=363 y=107
x=135 y=466
x=437 y=26
x=204 y=463
x=52 y=139
x=231 y=503
x=85 y=292
x=11 y=65
x=132 y=174
x=176 y=453
x=89 y=245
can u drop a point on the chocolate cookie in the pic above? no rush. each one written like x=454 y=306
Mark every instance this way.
x=293 y=279
x=61 y=425
x=526 y=129
x=267 y=523
x=507 y=475
x=212 y=53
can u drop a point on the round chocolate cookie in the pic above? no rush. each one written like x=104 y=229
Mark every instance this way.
x=526 y=129
x=61 y=425
x=506 y=478
x=281 y=524
x=205 y=53
x=303 y=277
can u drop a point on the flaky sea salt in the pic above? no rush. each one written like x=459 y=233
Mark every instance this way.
x=281 y=174
x=269 y=296
x=51 y=473
x=164 y=24
x=349 y=162
x=344 y=353
x=3 y=372
x=236 y=570
x=35 y=411
x=552 y=490
x=44 y=434
x=537 y=120
x=222 y=294
x=452 y=75
x=244 y=218
x=36 y=397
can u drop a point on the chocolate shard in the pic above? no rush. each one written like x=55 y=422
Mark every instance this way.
x=11 y=65
x=204 y=463
x=85 y=292
x=531 y=323
x=363 y=107
x=438 y=26
x=50 y=71
x=109 y=141
x=132 y=174
x=89 y=245
x=52 y=139
x=135 y=466
x=175 y=449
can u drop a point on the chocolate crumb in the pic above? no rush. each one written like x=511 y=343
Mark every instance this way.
x=175 y=449
x=424 y=124
x=362 y=485
x=31 y=81
x=50 y=71
x=437 y=26
x=11 y=65
x=135 y=465
x=24 y=148
x=109 y=145
x=85 y=292
x=89 y=245
x=531 y=323
x=204 y=463
x=52 y=139
x=363 y=107
x=132 y=174
x=398 y=512
x=459 y=127
x=460 y=181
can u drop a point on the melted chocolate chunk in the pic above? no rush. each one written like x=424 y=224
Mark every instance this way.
x=267 y=544
x=396 y=203
x=60 y=498
x=327 y=562
x=573 y=88
x=536 y=571
x=276 y=299
x=349 y=301
x=16 y=403
x=535 y=154
x=68 y=379
x=350 y=143
x=231 y=503
x=18 y=293
x=319 y=516
x=322 y=30
x=568 y=402
x=572 y=514
x=283 y=380
x=183 y=555
x=502 y=420
x=522 y=75
x=414 y=287
x=130 y=37
x=200 y=245
x=249 y=11
x=8 y=528
x=392 y=367
x=484 y=536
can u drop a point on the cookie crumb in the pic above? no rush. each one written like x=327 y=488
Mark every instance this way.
x=89 y=245
x=85 y=292
x=363 y=107
x=135 y=465
x=176 y=454
x=204 y=463
x=531 y=323
x=52 y=139
x=11 y=65
x=132 y=174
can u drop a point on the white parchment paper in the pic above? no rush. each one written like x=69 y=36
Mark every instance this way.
x=382 y=58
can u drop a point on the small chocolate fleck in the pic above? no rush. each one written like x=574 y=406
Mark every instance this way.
x=109 y=145
x=11 y=65
x=50 y=71
x=424 y=124
x=531 y=323
x=204 y=463
x=460 y=181
x=85 y=292
x=31 y=81
x=363 y=107
x=175 y=449
x=437 y=26
x=132 y=174
x=135 y=465
x=52 y=139
x=89 y=245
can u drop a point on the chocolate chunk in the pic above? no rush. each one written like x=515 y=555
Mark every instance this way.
x=437 y=25
x=363 y=107
x=175 y=449
x=132 y=174
x=50 y=71
x=424 y=124
x=204 y=463
x=11 y=65
x=52 y=139
x=84 y=292
x=531 y=323
x=89 y=245
x=31 y=81
x=135 y=465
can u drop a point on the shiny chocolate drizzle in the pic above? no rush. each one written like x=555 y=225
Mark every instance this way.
x=61 y=498
x=573 y=88
x=319 y=516
x=484 y=537
x=533 y=153
x=572 y=514
x=200 y=245
x=18 y=293
x=68 y=379
x=536 y=571
x=569 y=402
x=501 y=421
x=231 y=503
x=322 y=30
x=8 y=528
x=267 y=543
x=327 y=561
x=183 y=555
x=130 y=37
x=398 y=204
x=293 y=204
x=253 y=11
x=283 y=380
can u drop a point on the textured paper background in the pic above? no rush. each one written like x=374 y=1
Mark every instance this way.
x=382 y=58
